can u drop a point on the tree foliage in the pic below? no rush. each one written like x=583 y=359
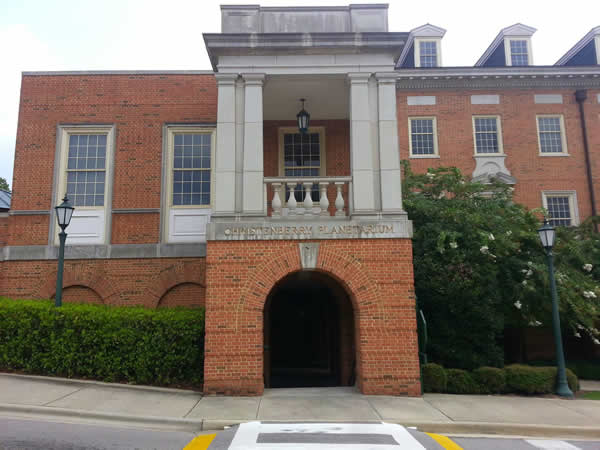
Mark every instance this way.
x=4 y=185
x=479 y=266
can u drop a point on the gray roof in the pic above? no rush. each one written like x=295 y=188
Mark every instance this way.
x=4 y=199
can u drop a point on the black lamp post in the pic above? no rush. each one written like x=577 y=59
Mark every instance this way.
x=547 y=236
x=303 y=119
x=64 y=212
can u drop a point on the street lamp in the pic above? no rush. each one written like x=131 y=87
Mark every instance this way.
x=547 y=236
x=64 y=212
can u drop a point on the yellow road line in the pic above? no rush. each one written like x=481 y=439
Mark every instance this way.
x=444 y=441
x=200 y=442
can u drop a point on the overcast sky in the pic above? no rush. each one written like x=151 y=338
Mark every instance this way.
x=149 y=34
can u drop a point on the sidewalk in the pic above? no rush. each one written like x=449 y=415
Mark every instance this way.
x=66 y=400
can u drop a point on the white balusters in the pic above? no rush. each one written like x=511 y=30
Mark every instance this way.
x=308 y=202
x=276 y=204
x=339 y=199
x=292 y=203
x=323 y=200
x=307 y=208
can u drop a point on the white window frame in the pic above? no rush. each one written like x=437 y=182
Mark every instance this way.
x=498 y=135
x=507 y=52
x=438 y=48
x=95 y=220
x=282 y=131
x=196 y=215
x=573 y=204
x=563 y=136
x=435 y=153
x=597 y=41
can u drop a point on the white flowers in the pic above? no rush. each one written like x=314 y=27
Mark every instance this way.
x=518 y=304
x=596 y=341
x=588 y=267
x=492 y=238
x=529 y=263
x=430 y=175
x=527 y=272
x=453 y=245
x=524 y=282
x=535 y=323
x=509 y=232
x=581 y=327
x=589 y=294
x=484 y=249
x=576 y=334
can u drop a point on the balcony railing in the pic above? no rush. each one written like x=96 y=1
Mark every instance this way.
x=295 y=197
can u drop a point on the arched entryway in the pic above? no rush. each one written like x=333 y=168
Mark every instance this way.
x=309 y=333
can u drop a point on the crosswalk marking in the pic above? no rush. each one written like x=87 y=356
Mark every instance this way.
x=200 y=442
x=444 y=441
x=548 y=444
x=248 y=433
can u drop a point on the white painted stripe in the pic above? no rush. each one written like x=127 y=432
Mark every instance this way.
x=549 y=444
x=548 y=98
x=247 y=434
x=485 y=99
x=419 y=100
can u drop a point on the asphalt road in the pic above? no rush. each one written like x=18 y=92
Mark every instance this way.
x=21 y=434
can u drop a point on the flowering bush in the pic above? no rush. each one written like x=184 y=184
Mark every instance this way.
x=479 y=266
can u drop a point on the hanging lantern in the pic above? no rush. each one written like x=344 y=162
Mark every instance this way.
x=303 y=119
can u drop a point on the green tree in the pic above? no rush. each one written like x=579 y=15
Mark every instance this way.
x=4 y=184
x=479 y=267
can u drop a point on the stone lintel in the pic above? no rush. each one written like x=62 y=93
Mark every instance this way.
x=268 y=230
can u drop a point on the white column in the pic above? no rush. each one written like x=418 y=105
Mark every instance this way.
x=253 y=193
x=389 y=156
x=362 y=147
x=224 y=165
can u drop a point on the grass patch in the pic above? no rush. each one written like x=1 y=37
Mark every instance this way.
x=592 y=395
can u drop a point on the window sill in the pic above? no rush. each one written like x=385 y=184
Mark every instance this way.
x=553 y=154
x=424 y=156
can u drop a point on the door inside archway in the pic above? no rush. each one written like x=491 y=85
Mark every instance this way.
x=309 y=333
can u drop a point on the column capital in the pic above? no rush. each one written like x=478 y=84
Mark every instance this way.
x=226 y=78
x=254 y=79
x=359 y=77
x=386 y=77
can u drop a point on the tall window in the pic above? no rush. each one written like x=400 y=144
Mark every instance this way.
x=487 y=133
x=551 y=135
x=301 y=156
x=191 y=169
x=422 y=139
x=519 y=55
x=86 y=169
x=428 y=54
x=562 y=208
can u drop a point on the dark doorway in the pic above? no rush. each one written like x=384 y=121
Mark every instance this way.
x=309 y=333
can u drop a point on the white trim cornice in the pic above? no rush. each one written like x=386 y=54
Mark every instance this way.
x=579 y=45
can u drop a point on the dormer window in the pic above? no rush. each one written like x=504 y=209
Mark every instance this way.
x=428 y=54
x=518 y=52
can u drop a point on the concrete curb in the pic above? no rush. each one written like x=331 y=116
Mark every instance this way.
x=83 y=383
x=100 y=418
x=196 y=425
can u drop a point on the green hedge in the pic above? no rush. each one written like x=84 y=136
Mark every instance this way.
x=130 y=344
x=516 y=378
x=434 y=378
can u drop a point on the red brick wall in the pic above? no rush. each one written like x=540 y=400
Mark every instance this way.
x=115 y=281
x=3 y=231
x=377 y=275
x=139 y=105
x=517 y=112
x=135 y=228
x=81 y=294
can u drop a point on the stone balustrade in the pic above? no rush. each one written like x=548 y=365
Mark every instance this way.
x=295 y=197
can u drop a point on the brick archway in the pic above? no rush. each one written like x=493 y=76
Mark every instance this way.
x=376 y=274
x=79 y=275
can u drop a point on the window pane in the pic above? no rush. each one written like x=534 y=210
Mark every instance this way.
x=559 y=210
x=421 y=135
x=428 y=54
x=550 y=134
x=486 y=135
x=518 y=53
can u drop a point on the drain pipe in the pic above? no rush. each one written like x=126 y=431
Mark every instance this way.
x=580 y=97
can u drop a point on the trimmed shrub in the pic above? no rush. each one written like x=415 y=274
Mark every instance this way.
x=130 y=344
x=491 y=380
x=461 y=382
x=434 y=378
x=536 y=380
x=587 y=370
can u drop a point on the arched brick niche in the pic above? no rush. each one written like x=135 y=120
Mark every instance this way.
x=376 y=275
x=183 y=294
x=80 y=294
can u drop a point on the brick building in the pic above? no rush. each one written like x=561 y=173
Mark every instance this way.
x=196 y=188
